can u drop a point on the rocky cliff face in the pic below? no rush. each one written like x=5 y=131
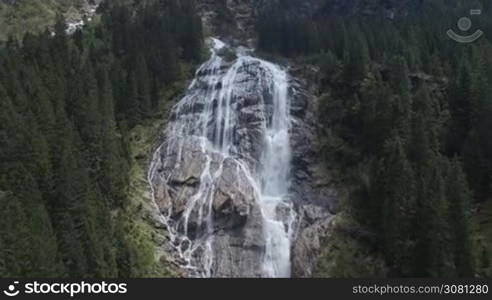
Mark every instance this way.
x=231 y=208
x=237 y=177
x=229 y=18
x=316 y=197
x=221 y=177
x=235 y=19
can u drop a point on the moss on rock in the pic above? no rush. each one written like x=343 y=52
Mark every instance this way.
x=346 y=254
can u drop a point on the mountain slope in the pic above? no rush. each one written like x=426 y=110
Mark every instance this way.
x=69 y=111
x=404 y=123
x=20 y=16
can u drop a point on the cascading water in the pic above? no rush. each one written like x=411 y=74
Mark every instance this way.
x=221 y=176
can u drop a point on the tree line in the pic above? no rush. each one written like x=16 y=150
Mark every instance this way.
x=67 y=104
x=412 y=109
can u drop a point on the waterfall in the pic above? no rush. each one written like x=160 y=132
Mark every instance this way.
x=221 y=177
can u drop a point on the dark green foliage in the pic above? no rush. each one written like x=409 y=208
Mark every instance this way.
x=431 y=246
x=394 y=192
x=66 y=103
x=459 y=214
x=402 y=98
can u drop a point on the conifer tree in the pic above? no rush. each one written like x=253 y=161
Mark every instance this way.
x=430 y=250
x=398 y=205
x=459 y=201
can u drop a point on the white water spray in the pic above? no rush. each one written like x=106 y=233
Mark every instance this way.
x=206 y=122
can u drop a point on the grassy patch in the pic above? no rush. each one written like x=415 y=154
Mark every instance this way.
x=139 y=214
x=32 y=16
x=27 y=16
x=228 y=54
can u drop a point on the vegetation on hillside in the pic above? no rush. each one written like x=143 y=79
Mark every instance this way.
x=411 y=110
x=34 y=16
x=67 y=108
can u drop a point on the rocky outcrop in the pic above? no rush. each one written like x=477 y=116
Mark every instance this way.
x=208 y=175
x=314 y=194
x=234 y=20
x=76 y=18
x=211 y=198
x=387 y=8
x=229 y=18
x=235 y=233
x=205 y=175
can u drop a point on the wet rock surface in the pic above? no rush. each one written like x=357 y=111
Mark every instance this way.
x=204 y=173
x=315 y=197
x=208 y=175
